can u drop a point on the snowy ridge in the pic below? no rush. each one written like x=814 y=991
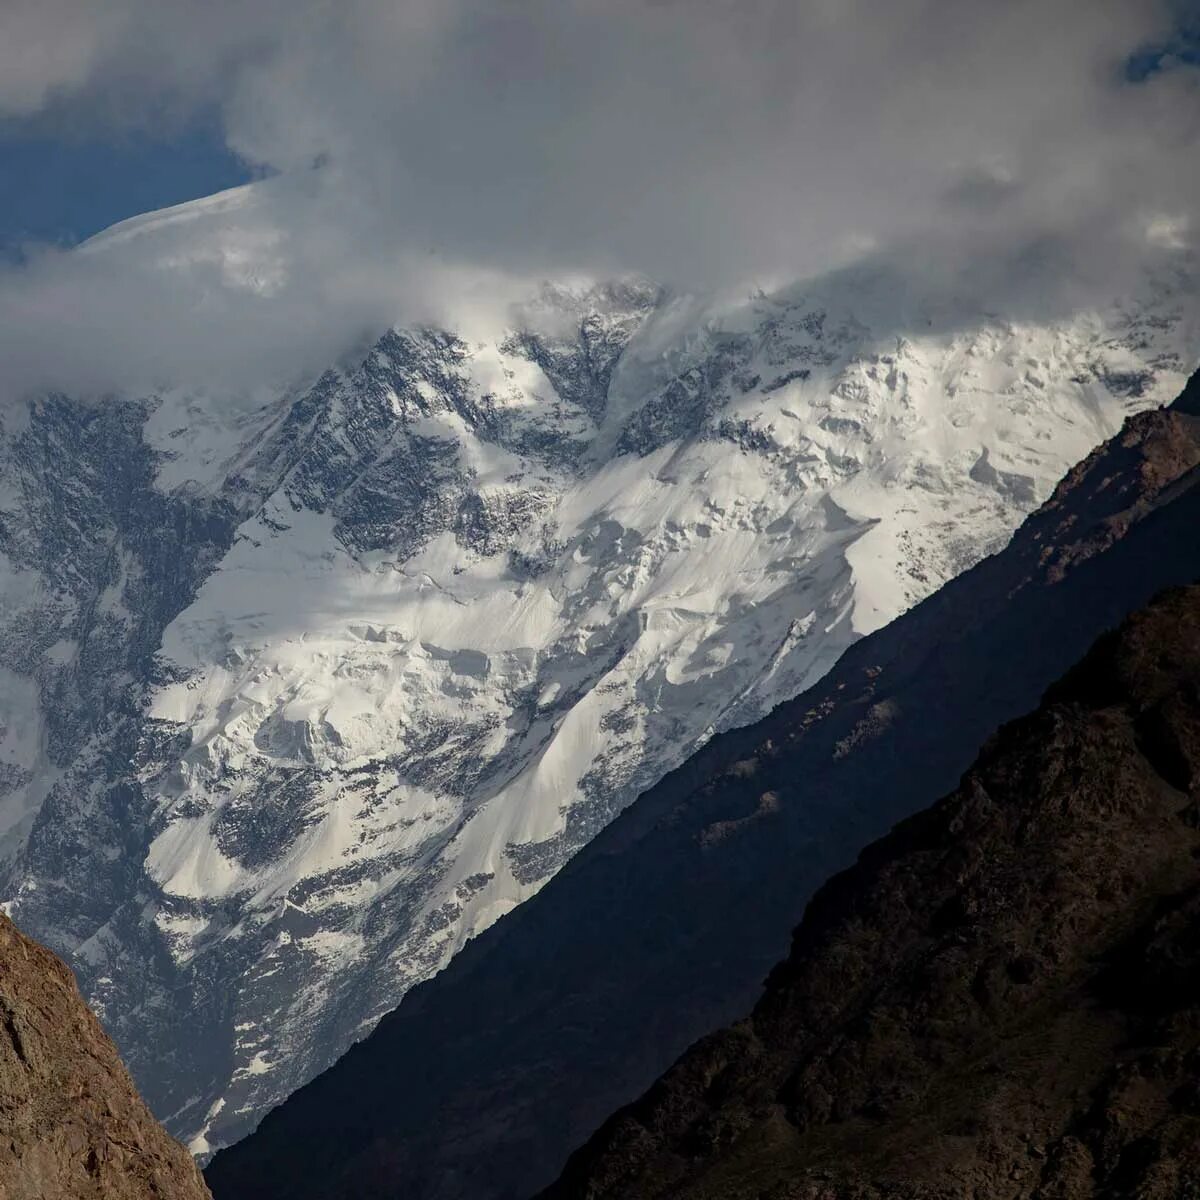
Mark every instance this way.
x=443 y=614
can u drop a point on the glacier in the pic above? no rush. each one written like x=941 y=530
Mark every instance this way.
x=307 y=685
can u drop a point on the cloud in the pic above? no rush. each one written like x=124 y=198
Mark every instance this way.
x=696 y=141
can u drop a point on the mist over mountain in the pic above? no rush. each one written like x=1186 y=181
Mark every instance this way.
x=320 y=682
x=416 y=151
x=573 y=385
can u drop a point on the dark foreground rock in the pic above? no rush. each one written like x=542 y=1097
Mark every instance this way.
x=72 y=1126
x=1001 y=1000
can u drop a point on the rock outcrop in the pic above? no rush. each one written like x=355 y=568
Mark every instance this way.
x=72 y=1125
x=1000 y=1001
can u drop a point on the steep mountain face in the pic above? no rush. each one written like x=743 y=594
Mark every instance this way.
x=304 y=689
x=1000 y=1000
x=663 y=927
x=72 y=1127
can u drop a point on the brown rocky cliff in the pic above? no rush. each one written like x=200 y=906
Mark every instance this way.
x=72 y=1126
x=1000 y=1001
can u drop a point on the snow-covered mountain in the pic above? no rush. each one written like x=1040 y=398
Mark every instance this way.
x=303 y=689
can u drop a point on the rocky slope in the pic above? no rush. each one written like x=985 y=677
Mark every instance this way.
x=1001 y=1000
x=663 y=927
x=304 y=688
x=72 y=1126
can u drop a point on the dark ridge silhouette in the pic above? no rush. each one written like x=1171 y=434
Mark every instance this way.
x=1001 y=1000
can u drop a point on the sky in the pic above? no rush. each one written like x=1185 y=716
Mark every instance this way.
x=419 y=154
x=59 y=188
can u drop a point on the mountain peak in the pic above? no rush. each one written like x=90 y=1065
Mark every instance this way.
x=663 y=926
x=306 y=687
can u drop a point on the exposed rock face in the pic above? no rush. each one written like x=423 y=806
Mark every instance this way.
x=1000 y=1001
x=72 y=1126
x=302 y=690
x=662 y=929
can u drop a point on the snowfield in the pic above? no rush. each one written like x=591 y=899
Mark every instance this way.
x=319 y=682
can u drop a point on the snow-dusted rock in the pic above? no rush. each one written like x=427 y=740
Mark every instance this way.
x=303 y=690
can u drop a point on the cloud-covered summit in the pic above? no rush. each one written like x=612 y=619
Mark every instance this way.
x=702 y=143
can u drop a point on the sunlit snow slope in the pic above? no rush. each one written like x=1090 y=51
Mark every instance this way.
x=304 y=689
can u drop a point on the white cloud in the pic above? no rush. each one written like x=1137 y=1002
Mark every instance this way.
x=699 y=141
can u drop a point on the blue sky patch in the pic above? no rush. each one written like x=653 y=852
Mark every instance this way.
x=63 y=190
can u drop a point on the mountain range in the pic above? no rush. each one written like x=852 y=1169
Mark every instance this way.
x=662 y=928
x=305 y=686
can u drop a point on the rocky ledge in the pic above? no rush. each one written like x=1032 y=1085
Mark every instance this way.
x=72 y=1125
